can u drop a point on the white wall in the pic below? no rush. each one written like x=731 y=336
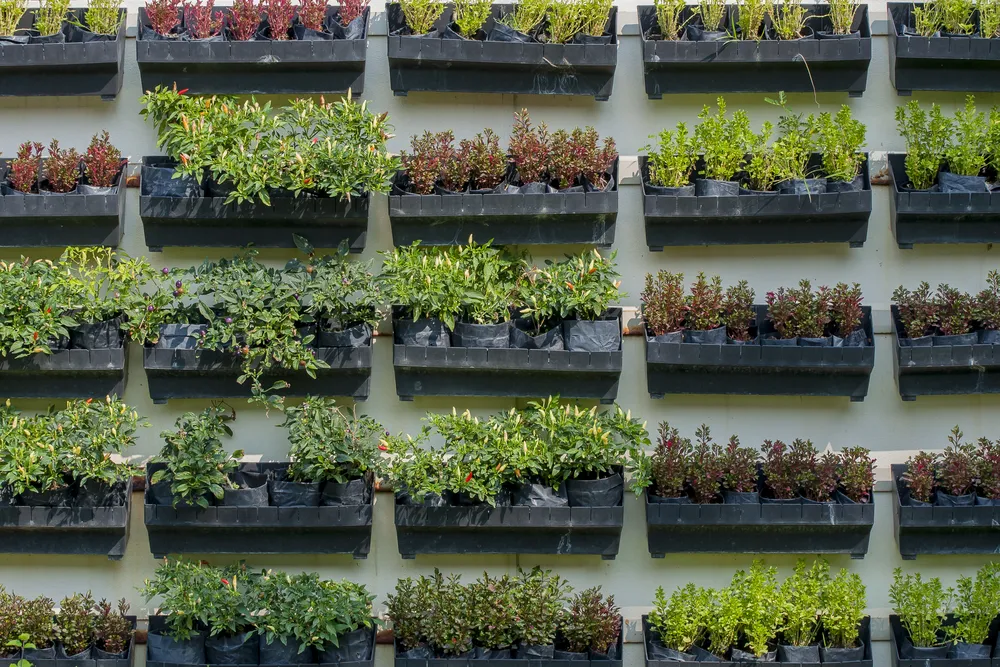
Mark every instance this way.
x=882 y=422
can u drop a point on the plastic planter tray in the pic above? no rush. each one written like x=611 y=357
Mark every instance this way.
x=422 y=63
x=63 y=69
x=833 y=217
x=943 y=369
x=174 y=373
x=512 y=662
x=898 y=636
x=513 y=372
x=942 y=530
x=865 y=635
x=262 y=67
x=208 y=222
x=758 y=528
x=66 y=530
x=747 y=66
x=65 y=374
x=257 y=530
x=61 y=220
x=760 y=370
x=940 y=217
x=939 y=63
x=559 y=217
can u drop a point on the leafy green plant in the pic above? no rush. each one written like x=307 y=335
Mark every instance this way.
x=75 y=623
x=844 y=605
x=791 y=149
x=757 y=589
x=102 y=17
x=987 y=303
x=739 y=466
x=920 y=605
x=668 y=464
x=540 y=597
x=839 y=138
x=966 y=155
x=565 y=20
x=724 y=621
x=50 y=15
x=975 y=604
x=842 y=13
x=421 y=14
x=11 y=12
x=955 y=16
x=760 y=168
x=751 y=15
x=673 y=158
x=788 y=19
x=582 y=286
x=406 y=606
x=681 y=621
x=989 y=18
x=802 y=602
x=857 y=473
x=595 y=15
x=927 y=137
x=927 y=18
x=670 y=18
x=703 y=304
x=471 y=15
x=713 y=16
x=329 y=443
x=955 y=310
x=527 y=15
x=723 y=141
x=592 y=622
x=957 y=468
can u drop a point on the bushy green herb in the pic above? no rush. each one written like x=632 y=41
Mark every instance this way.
x=723 y=141
x=757 y=590
x=842 y=13
x=421 y=15
x=788 y=19
x=975 y=604
x=11 y=12
x=670 y=18
x=927 y=137
x=802 y=602
x=103 y=17
x=751 y=15
x=527 y=15
x=921 y=606
x=471 y=15
x=844 y=605
x=839 y=138
x=681 y=621
x=966 y=155
x=713 y=15
x=50 y=15
x=672 y=159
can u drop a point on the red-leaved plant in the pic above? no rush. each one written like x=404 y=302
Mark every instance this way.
x=823 y=480
x=989 y=468
x=954 y=310
x=576 y=155
x=164 y=15
x=857 y=473
x=529 y=148
x=351 y=9
x=245 y=19
x=201 y=19
x=669 y=462
x=705 y=469
x=918 y=313
x=988 y=302
x=433 y=158
x=739 y=467
x=62 y=168
x=738 y=311
x=920 y=476
x=704 y=304
x=957 y=469
x=102 y=161
x=592 y=622
x=779 y=475
x=845 y=307
x=25 y=168
x=799 y=311
x=280 y=14
x=312 y=13
x=485 y=161
x=663 y=302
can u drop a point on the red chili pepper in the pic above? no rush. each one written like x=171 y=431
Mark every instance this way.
x=225 y=581
x=89 y=401
x=34 y=336
x=468 y=477
x=383 y=448
x=181 y=92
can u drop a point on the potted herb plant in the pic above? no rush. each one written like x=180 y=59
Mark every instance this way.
x=711 y=47
x=678 y=624
x=802 y=599
x=114 y=631
x=918 y=624
x=843 y=620
x=320 y=47
x=591 y=626
x=436 y=47
x=315 y=160
x=556 y=187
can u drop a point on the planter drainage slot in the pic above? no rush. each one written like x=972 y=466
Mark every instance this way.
x=218 y=529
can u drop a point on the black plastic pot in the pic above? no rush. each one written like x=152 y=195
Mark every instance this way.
x=544 y=656
x=204 y=221
x=539 y=495
x=355 y=646
x=77 y=657
x=522 y=336
x=441 y=371
x=354 y=492
x=96 y=336
x=841 y=654
x=271 y=529
x=284 y=653
x=162 y=649
x=593 y=335
x=799 y=654
x=757 y=369
x=492 y=336
x=425 y=332
x=250 y=496
x=431 y=63
x=241 y=649
x=506 y=219
x=360 y=335
x=756 y=218
x=606 y=492
x=932 y=216
x=731 y=66
x=293 y=66
x=904 y=654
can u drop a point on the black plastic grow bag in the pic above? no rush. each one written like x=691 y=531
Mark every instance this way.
x=257 y=530
x=427 y=63
x=943 y=369
x=173 y=373
x=973 y=529
x=831 y=217
x=66 y=530
x=900 y=644
x=262 y=67
x=472 y=529
x=121 y=661
x=865 y=635
x=70 y=68
x=759 y=528
x=507 y=219
x=748 y=66
x=924 y=216
x=762 y=370
x=55 y=220
x=208 y=222
x=401 y=661
x=959 y=63
x=514 y=372
x=65 y=374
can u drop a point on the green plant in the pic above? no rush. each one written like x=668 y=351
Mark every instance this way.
x=582 y=286
x=471 y=15
x=844 y=605
x=103 y=18
x=738 y=311
x=595 y=15
x=670 y=18
x=663 y=302
x=845 y=307
x=957 y=468
x=724 y=621
x=751 y=15
x=37 y=620
x=918 y=311
x=989 y=18
x=791 y=149
x=920 y=605
x=196 y=465
x=21 y=644
x=987 y=302
x=330 y=444
x=592 y=622
x=802 y=603
x=673 y=158
x=425 y=280
x=50 y=15
x=705 y=468
x=966 y=155
x=789 y=19
x=842 y=13
x=761 y=165
x=565 y=20
x=839 y=138
x=723 y=141
x=955 y=16
x=713 y=15
x=681 y=621
x=112 y=629
x=757 y=590
x=495 y=612
x=927 y=137
x=975 y=603
x=527 y=15
x=421 y=14
x=406 y=606
x=75 y=623
x=11 y=12
x=540 y=597
x=927 y=18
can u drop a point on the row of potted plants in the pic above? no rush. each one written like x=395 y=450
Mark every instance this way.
x=254 y=20
x=82 y=630
x=233 y=615
x=809 y=617
x=529 y=616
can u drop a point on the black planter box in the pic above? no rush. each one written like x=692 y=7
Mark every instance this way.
x=760 y=370
x=943 y=370
x=942 y=530
x=261 y=67
x=506 y=219
x=208 y=222
x=939 y=63
x=127 y=661
x=63 y=69
x=174 y=374
x=747 y=66
x=898 y=636
x=832 y=217
x=940 y=217
x=512 y=372
x=772 y=528
x=257 y=530
x=421 y=63
x=865 y=635
x=65 y=374
x=66 y=530
x=34 y=221
x=513 y=662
